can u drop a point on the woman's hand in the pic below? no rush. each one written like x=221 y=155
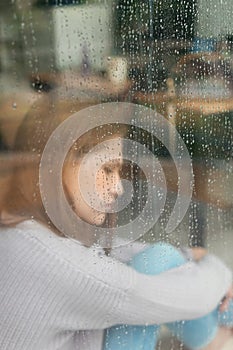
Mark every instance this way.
x=198 y=253
x=225 y=301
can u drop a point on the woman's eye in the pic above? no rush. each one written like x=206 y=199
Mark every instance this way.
x=108 y=170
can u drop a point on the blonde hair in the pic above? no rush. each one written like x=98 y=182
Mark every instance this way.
x=23 y=200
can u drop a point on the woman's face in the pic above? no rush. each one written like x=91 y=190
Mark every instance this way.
x=93 y=183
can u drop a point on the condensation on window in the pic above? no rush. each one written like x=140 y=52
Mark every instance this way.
x=173 y=59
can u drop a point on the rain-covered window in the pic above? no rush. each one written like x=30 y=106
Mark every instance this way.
x=167 y=68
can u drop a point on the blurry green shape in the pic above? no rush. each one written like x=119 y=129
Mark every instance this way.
x=208 y=136
x=163 y=20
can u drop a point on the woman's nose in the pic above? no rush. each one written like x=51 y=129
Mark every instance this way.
x=117 y=187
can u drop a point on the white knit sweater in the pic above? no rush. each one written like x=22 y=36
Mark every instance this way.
x=56 y=294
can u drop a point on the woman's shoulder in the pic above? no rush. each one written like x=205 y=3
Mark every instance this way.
x=33 y=255
x=31 y=237
x=31 y=231
x=32 y=240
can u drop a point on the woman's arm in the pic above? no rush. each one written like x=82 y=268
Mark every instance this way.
x=125 y=252
x=84 y=289
x=198 y=253
x=189 y=291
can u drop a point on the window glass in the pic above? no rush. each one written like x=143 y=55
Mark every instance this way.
x=173 y=59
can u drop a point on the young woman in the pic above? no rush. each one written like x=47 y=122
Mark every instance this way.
x=59 y=292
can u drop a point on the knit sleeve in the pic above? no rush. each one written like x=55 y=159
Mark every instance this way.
x=187 y=292
x=66 y=286
x=98 y=291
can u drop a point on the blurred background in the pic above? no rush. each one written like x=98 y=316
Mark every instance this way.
x=175 y=56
